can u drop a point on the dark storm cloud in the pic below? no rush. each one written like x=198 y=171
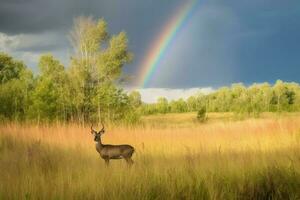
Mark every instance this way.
x=43 y=15
x=34 y=16
x=142 y=20
x=226 y=41
x=29 y=16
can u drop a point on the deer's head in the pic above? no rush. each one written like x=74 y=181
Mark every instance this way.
x=97 y=135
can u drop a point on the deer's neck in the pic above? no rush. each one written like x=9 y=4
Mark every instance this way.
x=99 y=145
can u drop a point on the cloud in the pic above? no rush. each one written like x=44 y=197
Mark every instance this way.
x=30 y=57
x=29 y=47
x=13 y=43
x=8 y=43
x=33 y=42
x=150 y=95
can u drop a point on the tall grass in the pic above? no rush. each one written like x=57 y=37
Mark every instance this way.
x=224 y=159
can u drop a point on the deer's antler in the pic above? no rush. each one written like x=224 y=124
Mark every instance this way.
x=102 y=125
x=92 y=129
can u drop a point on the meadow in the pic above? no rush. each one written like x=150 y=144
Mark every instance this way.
x=176 y=158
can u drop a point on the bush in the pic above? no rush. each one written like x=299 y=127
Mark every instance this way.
x=131 y=118
x=201 y=115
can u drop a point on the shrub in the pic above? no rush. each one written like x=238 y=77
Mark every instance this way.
x=201 y=115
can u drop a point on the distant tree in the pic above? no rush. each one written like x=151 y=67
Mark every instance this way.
x=280 y=91
x=294 y=96
x=178 y=106
x=240 y=99
x=192 y=103
x=223 y=100
x=148 y=109
x=135 y=99
x=162 y=105
x=201 y=101
x=267 y=93
x=297 y=99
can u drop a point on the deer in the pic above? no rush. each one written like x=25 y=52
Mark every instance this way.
x=109 y=151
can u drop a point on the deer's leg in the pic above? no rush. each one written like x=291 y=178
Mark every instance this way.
x=106 y=161
x=129 y=161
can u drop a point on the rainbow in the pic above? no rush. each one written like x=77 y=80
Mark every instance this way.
x=159 y=48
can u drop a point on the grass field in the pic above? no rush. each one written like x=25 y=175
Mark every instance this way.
x=176 y=158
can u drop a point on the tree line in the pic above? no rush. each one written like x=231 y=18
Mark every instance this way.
x=88 y=90
x=242 y=100
x=85 y=91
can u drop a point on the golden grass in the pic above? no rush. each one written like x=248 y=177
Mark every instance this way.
x=176 y=158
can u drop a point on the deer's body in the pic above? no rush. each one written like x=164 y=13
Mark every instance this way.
x=108 y=151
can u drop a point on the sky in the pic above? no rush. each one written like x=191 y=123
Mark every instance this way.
x=223 y=42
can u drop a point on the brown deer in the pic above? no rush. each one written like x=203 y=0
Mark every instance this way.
x=108 y=151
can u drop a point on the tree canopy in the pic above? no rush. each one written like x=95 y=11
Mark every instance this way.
x=242 y=100
x=85 y=91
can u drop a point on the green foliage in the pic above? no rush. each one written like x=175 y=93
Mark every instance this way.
x=178 y=106
x=148 y=109
x=114 y=103
x=95 y=68
x=87 y=91
x=16 y=83
x=135 y=99
x=162 y=105
x=201 y=115
x=84 y=92
x=10 y=68
x=131 y=117
x=49 y=100
x=243 y=101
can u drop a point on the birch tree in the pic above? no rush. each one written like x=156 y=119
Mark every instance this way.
x=96 y=64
